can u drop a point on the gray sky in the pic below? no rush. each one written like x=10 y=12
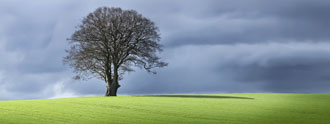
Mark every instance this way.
x=212 y=46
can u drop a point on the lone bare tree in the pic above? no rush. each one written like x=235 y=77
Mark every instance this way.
x=109 y=42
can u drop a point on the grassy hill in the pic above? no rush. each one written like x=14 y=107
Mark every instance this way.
x=170 y=109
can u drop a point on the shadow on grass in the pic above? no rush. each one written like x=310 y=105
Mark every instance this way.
x=200 y=96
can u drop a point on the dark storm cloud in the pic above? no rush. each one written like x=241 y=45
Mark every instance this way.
x=290 y=67
x=32 y=45
x=253 y=21
x=211 y=45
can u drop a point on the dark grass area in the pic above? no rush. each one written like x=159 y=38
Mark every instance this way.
x=200 y=96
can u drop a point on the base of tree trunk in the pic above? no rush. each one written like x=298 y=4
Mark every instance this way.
x=107 y=93
x=111 y=92
x=110 y=95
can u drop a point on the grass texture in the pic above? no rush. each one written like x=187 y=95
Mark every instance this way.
x=172 y=109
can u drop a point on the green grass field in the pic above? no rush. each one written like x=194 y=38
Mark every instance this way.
x=171 y=109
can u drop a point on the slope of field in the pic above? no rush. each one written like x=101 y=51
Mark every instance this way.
x=170 y=109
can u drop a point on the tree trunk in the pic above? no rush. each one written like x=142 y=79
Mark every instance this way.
x=107 y=93
x=115 y=85
x=108 y=79
x=109 y=83
x=113 y=91
x=114 y=88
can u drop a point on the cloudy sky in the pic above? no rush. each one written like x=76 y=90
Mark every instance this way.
x=212 y=46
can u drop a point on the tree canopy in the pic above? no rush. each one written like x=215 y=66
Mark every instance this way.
x=109 y=42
